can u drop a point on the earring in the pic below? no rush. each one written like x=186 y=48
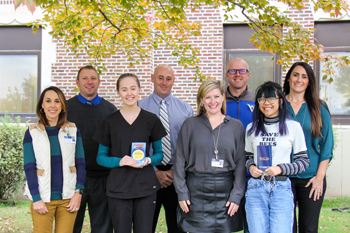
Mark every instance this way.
x=201 y=105
x=41 y=110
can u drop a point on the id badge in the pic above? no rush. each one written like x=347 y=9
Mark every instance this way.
x=217 y=162
x=69 y=139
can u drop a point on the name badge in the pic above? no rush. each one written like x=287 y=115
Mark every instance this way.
x=69 y=139
x=217 y=162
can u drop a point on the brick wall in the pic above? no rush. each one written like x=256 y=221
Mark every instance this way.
x=305 y=18
x=211 y=47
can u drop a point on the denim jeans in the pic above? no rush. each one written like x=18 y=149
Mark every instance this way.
x=269 y=206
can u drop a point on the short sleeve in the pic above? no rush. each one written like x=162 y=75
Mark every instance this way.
x=299 y=144
x=248 y=140
x=158 y=130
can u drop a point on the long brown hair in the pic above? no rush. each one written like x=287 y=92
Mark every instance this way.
x=310 y=96
x=62 y=118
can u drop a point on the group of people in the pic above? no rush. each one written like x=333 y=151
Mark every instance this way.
x=245 y=161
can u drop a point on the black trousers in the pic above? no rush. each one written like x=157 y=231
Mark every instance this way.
x=309 y=210
x=95 y=196
x=168 y=198
x=134 y=213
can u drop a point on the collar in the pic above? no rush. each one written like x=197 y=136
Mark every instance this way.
x=270 y=121
x=229 y=94
x=158 y=99
x=226 y=119
x=94 y=101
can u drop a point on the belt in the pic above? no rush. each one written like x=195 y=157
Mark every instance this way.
x=161 y=167
x=277 y=178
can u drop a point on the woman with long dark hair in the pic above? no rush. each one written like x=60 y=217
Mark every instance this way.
x=54 y=165
x=209 y=173
x=270 y=140
x=312 y=113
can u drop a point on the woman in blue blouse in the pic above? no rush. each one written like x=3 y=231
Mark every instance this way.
x=312 y=113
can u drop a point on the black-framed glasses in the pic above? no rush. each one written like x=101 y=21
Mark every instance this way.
x=241 y=71
x=271 y=100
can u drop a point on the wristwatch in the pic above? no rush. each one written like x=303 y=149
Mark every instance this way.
x=80 y=191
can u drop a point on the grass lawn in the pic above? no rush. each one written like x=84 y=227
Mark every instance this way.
x=17 y=218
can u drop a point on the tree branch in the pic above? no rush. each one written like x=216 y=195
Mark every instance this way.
x=106 y=18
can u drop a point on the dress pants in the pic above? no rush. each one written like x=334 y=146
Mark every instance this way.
x=309 y=210
x=64 y=220
x=95 y=196
x=167 y=197
x=136 y=214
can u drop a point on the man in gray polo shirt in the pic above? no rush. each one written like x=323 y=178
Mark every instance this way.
x=176 y=111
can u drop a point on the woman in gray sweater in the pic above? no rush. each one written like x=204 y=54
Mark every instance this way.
x=209 y=172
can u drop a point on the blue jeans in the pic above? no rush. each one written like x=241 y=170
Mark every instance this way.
x=269 y=206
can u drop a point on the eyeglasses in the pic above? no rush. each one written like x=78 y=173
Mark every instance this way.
x=241 y=71
x=271 y=100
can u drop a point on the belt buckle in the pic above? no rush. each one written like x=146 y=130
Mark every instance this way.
x=267 y=177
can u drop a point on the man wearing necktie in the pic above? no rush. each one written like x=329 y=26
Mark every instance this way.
x=172 y=113
x=87 y=110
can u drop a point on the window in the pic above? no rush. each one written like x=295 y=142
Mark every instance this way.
x=20 y=58
x=19 y=83
x=337 y=94
x=262 y=65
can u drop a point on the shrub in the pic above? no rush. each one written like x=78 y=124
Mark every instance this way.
x=11 y=155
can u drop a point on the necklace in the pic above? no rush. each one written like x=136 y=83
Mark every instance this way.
x=216 y=151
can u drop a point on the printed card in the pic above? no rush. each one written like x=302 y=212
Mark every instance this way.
x=138 y=152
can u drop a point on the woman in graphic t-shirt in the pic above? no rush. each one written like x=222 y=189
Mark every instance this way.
x=270 y=140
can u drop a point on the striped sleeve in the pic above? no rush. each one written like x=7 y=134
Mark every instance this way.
x=30 y=166
x=249 y=151
x=301 y=162
x=300 y=159
x=249 y=159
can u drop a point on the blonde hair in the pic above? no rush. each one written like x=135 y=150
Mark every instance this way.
x=207 y=86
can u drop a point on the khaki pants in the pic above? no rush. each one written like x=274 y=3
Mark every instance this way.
x=42 y=223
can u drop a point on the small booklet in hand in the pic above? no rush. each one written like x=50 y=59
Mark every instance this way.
x=138 y=152
x=264 y=157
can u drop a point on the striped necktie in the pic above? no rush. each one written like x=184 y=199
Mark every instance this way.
x=166 y=144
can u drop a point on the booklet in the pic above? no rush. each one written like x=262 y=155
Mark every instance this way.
x=138 y=152
x=264 y=157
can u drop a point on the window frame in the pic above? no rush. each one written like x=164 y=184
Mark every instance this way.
x=26 y=43
x=241 y=46
x=334 y=38
x=342 y=119
x=277 y=73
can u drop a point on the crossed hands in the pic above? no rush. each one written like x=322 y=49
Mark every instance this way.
x=165 y=177
x=271 y=171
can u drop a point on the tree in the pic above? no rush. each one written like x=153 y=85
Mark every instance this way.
x=101 y=27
